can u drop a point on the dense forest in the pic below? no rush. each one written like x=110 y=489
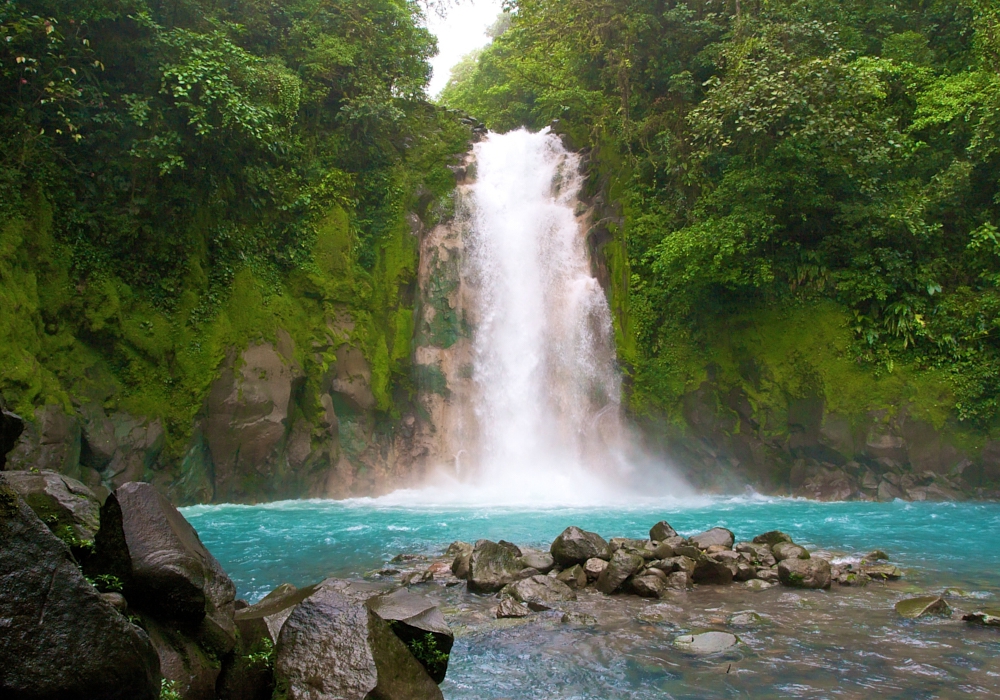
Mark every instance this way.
x=806 y=167
x=184 y=176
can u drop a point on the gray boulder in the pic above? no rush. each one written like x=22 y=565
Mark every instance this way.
x=758 y=554
x=491 y=567
x=418 y=622
x=60 y=638
x=272 y=610
x=622 y=565
x=713 y=572
x=69 y=508
x=333 y=647
x=510 y=608
x=787 y=550
x=648 y=585
x=661 y=531
x=576 y=546
x=166 y=569
x=804 y=573
x=679 y=580
x=593 y=568
x=574 y=576
x=772 y=538
x=540 y=592
x=542 y=561
x=717 y=536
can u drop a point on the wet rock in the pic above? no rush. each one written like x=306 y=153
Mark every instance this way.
x=576 y=546
x=643 y=548
x=622 y=565
x=458 y=547
x=540 y=592
x=333 y=647
x=769 y=574
x=804 y=573
x=648 y=585
x=528 y=573
x=11 y=427
x=418 y=622
x=876 y=555
x=515 y=550
x=273 y=609
x=460 y=566
x=491 y=567
x=712 y=572
x=715 y=536
x=664 y=550
x=987 y=618
x=881 y=572
x=60 y=638
x=247 y=673
x=787 y=550
x=745 y=572
x=412 y=578
x=510 y=608
x=574 y=576
x=759 y=554
x=888 y=492
x=185 y=663
x=745 y=618
x=51 y=441
x=706 y=642
x=661 y=531
x=593 y=568
x=923 y=606
x=166 y=569
x=757 y=584
x=116 y=601
x=543 y=561
x=578 y=619
x=772 y=538
x=853 y=578
x=689 y=551
x=69 y=508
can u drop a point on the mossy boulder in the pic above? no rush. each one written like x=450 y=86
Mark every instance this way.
x=70 y=509
x=576 y=546
x=805 y=573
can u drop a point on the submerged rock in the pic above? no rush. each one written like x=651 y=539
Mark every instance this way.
x=706 y=642
x=58 y=637
x=576 y=546
x=332 y=647
x=539 y=592
x=804 y=573
x=418 y=622
x=923 y=606
x=757 y=584
x=717 y=536
x=882 y=572
x=491 y=567
x=988 y=618
x=578 y=619
x=661 y=531
x=745 y=618
x=622 y=565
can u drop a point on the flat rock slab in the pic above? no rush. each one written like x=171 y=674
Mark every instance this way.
x=418 y=622
x=706 y=642
x=988 y=618
x=882 y=572
x=923 y=606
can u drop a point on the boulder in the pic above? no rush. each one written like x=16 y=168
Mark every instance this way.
x=69 y=508
x=510 y=608
x=853 y=578
x=987 y=618
x=757 y=584
x=60 y=638
x=272 y=610
x=418 y=622
x=715 y=536
x=333 y=647
x=574 y=576
x=183 y=662
x=664 y=550
x=648 y=585
x=543 y=561
x=622 y=565
x=644 y=548
x=661 y=531
x=491 y=567
x=787 y=550
x=759 y=554
x=923 y=606
x=768 y=573
x=593 y=568
x=689 y=551
x=458 y=547
x=668 y=566
x=713 y=572
x=706 y=642
x=772 y=538
x=804 y=573
x=679 y=580
x=539 y=592
x=745 y=572
x=576 y=546
x=166 y=570
x=51 y=441
x=460 y=566
x=247 y=673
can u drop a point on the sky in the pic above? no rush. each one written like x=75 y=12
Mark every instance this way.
x=462 y=29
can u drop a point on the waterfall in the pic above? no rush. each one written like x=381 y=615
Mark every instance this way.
x=532 y=411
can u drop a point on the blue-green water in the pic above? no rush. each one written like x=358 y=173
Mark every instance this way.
x=842 y=643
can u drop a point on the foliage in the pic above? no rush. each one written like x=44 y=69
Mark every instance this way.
x=106 y=583
x=169 y=690
x=262 y=654
x=766 y=154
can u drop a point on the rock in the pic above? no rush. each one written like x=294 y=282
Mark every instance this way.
x=543 y=561
x=876 y=555
x=60 y=638
x=881 y=572
x=923 y=606
x=458 y=547
x=491 y=567
x=643 y=548
x=745 y=572
x=712 y=572
x=772 y=538
x=679 y=580
x=852 y=578
x=888 y=492
x=689 y=551
x=593 y=568
x=333 y=647
x=515 y=550
x=539 y=592
x=759 y=554
x=418 y=622
x=412 y=578
x=574 y=576
x=576 y=546
x=664 y=550
x=622 y=565
x=51 y=441
x=988 y=618
x=11 y=427
x=247 y=673
x=757 y=584
x=804 y=573
x=273 y=609
x=648 y=586
x=706 y=642
x=510 y=608
x=578 y=619
x=787 y=550
x=460 y=566
x=661 y=531
x=528 y=573
x=116 y=601
x=715 y=536
x=166 y=569
x=769 y=574
x=745 y=618
x=183 y=662
x=69 y=508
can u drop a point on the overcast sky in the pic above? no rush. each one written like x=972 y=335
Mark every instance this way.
x=462 y=29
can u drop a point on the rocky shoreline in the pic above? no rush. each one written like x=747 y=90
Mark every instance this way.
x=121 y=600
